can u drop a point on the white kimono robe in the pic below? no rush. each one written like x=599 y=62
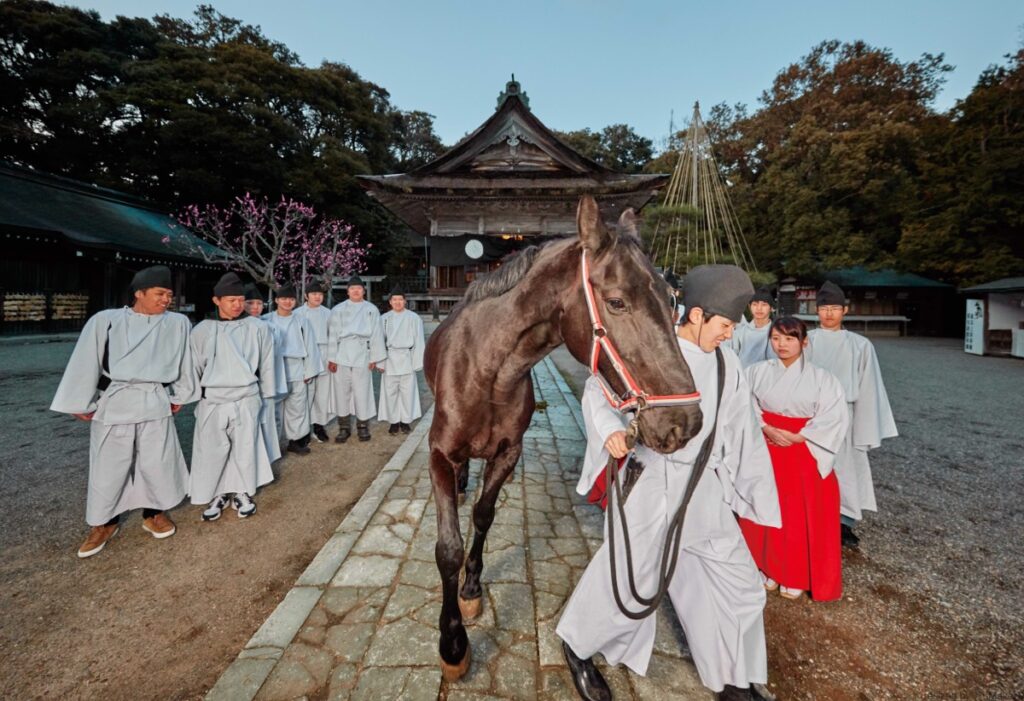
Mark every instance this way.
x=803 y=390
x=399 y=393
x=751 y=344
x=851 y=358
x=135 y=460
x=269 y=431
x=295 y=342
x=234 y=365
x=356 y=340
x=320 y=389
x=716 y=589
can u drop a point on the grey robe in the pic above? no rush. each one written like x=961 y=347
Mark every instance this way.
x=751 y=344
x=320 y=389
x=234 y=365
x=295 y=342
x=268 y=409
x=803 y=390
x=356 y=340
x=399 y=393
x=851 y=358
x=716 y=590
x=135 y=460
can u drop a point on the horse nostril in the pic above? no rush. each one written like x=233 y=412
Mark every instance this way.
x=677 y=436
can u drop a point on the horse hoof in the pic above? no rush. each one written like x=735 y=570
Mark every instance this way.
x=470 y=608
x=454 y=672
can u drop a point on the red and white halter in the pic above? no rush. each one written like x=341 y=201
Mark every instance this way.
x=635 y=398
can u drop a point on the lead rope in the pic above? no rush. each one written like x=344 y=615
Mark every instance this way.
x=673 y=537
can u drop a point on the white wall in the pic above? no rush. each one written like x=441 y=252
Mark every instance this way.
x=1005 y=311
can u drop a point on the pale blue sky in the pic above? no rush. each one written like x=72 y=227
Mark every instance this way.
x=591 y=63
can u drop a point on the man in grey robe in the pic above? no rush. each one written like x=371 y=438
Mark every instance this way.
x=294 y=341
x=399 y=392
x=356 y=346
x=750 y=339
x=716 y=589
x=268 y=410
x=318 y=316
x=129 y=373
x=851 y=358
x=234 y=366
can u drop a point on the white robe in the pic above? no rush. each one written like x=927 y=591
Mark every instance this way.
x=399 y=393
x=234 y=365
x=356 y=340
x=851 y=358
x=751 y=344
x=803 y=390
x=135 y=460
x=268 y=408
x=716 y=589
x=295 y=342
x=320 y=388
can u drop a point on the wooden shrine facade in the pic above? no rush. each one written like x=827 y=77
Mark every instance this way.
x=510 y=183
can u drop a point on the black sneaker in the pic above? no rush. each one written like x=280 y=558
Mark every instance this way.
x=321 y=433
x=393 y=429
x=344 y=429
x=298 y=448
x=405 y=428
x=363 y=431
x=848 y=538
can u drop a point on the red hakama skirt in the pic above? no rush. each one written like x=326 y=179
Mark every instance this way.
x=804 y=553
x=598 y=493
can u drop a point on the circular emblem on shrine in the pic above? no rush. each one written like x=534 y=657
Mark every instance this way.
x=474 y=249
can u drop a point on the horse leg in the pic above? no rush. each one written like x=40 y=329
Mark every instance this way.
x=463 y=481
x=497 y=471
x=454 y=644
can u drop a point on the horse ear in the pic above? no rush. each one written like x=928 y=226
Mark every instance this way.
x=594 y=235
x=629 y=223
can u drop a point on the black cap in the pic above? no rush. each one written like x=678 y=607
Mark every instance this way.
x=763 y=294
x=315 y=286
x=356 y=280
x=397 y=291
x=252 y=292
x=831 y=294
x=154 y=276
x=286 y=290
x=724 y=290
x=229 y=285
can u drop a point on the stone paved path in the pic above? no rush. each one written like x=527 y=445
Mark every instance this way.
x=361 y=621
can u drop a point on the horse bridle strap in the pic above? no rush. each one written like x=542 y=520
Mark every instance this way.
x=635 y=397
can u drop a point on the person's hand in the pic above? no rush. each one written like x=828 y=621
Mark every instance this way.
x=84 y=417
x=616 y=444
x=777 y=436
x=373 y=366
x=332 y=367
x=379 y=368
x=309 y=379
x=175 y=408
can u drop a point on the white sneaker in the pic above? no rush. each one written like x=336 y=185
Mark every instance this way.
x=790 y=593
x=216 y=506
x=243 y=504
x=769 y=583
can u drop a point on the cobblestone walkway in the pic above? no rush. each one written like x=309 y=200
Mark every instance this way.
x=361 y=621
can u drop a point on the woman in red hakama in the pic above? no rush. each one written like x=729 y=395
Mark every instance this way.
x=804 y=418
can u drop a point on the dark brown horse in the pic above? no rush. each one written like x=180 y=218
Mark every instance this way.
x=478 y=365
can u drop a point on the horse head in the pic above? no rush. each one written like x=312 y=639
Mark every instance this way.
x=631 y=301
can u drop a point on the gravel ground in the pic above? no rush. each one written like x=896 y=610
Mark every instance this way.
x=932 y=607
x=144 y=619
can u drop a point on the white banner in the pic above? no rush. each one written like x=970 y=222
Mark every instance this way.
x=974 y=330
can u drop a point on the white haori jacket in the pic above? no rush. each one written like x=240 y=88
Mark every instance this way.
x=803 y=390
x=318 y=318
x=356 y=336
x=403 y=339
x=851 y=358
x=135 y=459
x=716 y=590
x=295 y=342
x=751 y=344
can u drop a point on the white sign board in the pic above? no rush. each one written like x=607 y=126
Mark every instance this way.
x=974 y=330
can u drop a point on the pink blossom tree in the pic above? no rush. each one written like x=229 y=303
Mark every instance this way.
x=274 y=244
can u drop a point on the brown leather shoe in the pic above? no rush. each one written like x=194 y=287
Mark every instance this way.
x=98 y=537
x=159 y=526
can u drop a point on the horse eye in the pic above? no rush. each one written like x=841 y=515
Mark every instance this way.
x=616 y=304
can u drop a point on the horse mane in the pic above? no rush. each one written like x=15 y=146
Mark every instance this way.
x=515 y=266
